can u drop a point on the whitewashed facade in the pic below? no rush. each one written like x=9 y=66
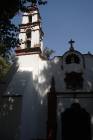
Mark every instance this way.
x=72 y=73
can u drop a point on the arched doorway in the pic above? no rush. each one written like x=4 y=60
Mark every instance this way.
x=76 y=123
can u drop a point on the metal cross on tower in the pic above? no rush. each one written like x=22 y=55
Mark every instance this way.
x=71 y=42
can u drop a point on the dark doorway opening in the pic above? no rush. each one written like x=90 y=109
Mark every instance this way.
x=76 y=123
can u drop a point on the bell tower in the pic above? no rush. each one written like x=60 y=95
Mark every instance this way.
x=31 y=34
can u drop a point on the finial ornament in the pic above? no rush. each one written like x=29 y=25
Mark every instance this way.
x=71 y=42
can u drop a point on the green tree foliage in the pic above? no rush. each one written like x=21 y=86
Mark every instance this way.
x=48 y=52
x=8 y=31
x=32 y=2
x=4 y=67
x=8 y=36
x=8 y=11
x=2 y=49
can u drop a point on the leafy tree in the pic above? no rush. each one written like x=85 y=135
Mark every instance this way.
x=8 y=36
x=8 y=11
x=31 y=2
x=48 y=52
x=4 y=67
x=8 y=31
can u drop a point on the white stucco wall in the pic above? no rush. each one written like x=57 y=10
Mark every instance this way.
x=35 y=40
x=34 y=114
x=22 y=38
x=87 y=71
x=35 y=30
x=35 y=16
x=32 y=80
x=25 y=19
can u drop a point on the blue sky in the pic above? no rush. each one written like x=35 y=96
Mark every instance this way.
x=66 y=19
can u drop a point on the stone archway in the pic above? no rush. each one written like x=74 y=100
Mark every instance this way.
x=76 y=123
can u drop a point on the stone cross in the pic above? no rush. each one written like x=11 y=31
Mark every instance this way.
x=71 y=43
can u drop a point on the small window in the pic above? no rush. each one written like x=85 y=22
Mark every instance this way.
x=30 y=18
x=72 y=58
x=74 y=81
x=28 y=33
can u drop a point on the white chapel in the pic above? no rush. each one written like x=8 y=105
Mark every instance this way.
x=46 y=99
